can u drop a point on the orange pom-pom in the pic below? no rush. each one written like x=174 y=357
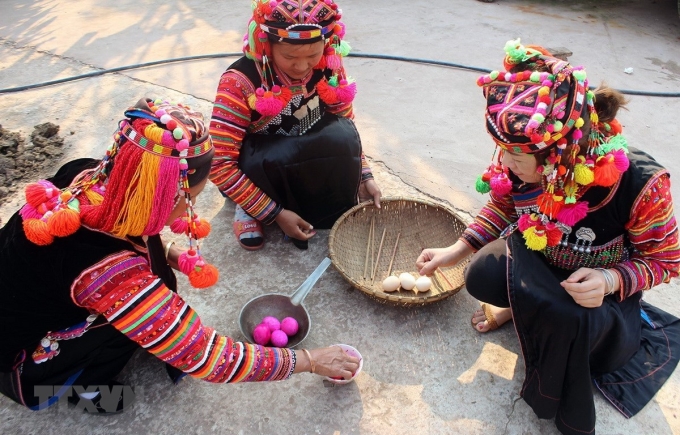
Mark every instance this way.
x=36 y=231
x=204 y=277
x=561 y=170
x=327 y=92
x=63 y=222
x=606 y=173
x=38 y=193
x=201 y=228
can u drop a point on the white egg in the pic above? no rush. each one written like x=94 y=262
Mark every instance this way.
x=407 y=281
x=423 y=284
x=390 y=284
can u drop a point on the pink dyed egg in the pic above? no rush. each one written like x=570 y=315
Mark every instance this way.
x=261 y=334
x=289 y=326
x=279 y=338
x=272 y=322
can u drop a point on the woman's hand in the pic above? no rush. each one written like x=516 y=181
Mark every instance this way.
x=431 y=258
x=588 y=287
x=294 y=226
x=369 y=190
x=328 y=361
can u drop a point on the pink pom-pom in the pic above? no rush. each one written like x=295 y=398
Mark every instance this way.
x=183 y=164
x=333 y=61
x=160 y=113
x=167 y=139
x=179 y=226
x=547 y=83
x=501 y=184
x=289 y=326
x=346 y=93
x=339 y=32
x=486 y=79
x=259 y=92
x=279 y=338
x=261 y=334
x=480 y=81
x=525 y=222
x=272 y=322
x=269 y=106
x=572 y=213
x=532 y=124
x=621 y=160
x=182 y=145
x=576 y=135
x=276 y=89
x=544 y=76
x=187 y=261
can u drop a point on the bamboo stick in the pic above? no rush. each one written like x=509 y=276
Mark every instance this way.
x=377 y=260
x=369 y=239
x=445 y=278
x=394 y=251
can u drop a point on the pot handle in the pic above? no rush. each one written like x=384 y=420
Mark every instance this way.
x=301 y=293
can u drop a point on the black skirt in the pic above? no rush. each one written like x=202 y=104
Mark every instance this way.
x=628 y=349
x=316 y=175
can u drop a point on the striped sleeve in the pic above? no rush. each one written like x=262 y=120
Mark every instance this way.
x=136 y=302
x=228 y=126
x=653 y=233
x=488 y=225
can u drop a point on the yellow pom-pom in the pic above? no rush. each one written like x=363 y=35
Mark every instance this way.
x=594 y=118
x=204 y=277
x=579 y=123
x=534 y=241
x=63 y=222
x=251 y=101
x=583 y=175
x=36 y=231
x=543 y=91
x=546 y=136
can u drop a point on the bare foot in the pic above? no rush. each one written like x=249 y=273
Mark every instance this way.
x=480 y=322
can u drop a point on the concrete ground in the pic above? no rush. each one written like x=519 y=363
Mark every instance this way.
x=425 y=371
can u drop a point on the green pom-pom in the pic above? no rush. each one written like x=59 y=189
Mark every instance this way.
x=570 y=200
x=515 y=51
x=614 y=143
x=493 y=75
x=538 y=117
x=482 y=186
x=74 y=204
x=343 y=49
x=333 y=81
x=580 y=75
x=535 y=77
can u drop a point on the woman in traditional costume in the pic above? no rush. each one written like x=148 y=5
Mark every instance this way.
x=286 y=149
x=85 y=279
x=578 y=224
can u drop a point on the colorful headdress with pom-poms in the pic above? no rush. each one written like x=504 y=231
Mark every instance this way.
x=159 y=150
x=297 y=22
x=542 y=109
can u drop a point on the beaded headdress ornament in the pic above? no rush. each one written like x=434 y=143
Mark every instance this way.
x=541 y=109
x=297 y=22
x=159 y=150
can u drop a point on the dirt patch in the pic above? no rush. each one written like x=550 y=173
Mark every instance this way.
x=22 y=160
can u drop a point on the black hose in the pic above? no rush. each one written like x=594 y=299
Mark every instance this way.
x=221 y=55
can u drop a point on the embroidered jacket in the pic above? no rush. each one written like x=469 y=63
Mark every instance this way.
x=630 y=227
x=232 y=119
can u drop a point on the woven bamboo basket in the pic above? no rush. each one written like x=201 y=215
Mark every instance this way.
x=417 y=224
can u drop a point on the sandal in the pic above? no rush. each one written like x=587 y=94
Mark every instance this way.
x=251 y=226
x=489 y=316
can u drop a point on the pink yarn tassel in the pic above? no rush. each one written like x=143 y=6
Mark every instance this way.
x=572 y=213
x=525 y=222
x=179 y=226
x=621 y=160
x=346 y=91
x=268 y=106
x=333 y=62
x=29 y=212
x=187 y=261
x=501 y=184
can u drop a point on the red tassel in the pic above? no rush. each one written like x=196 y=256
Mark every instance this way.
x=548 y=204
x=40 y=192
x=527 y=221
x=554 y=234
